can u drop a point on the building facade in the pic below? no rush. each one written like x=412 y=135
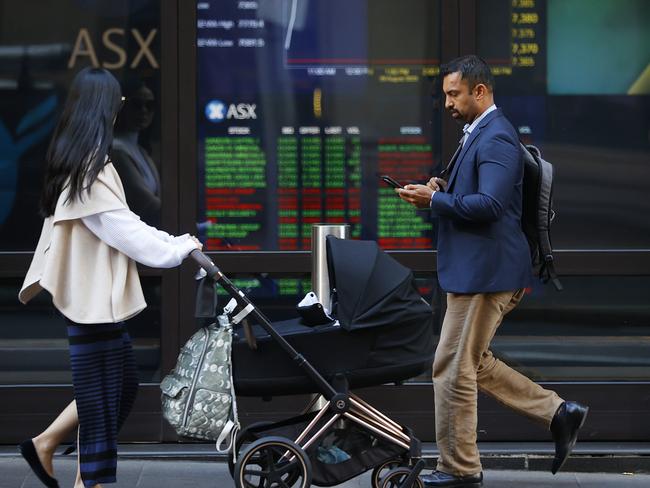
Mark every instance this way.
x=256 y=119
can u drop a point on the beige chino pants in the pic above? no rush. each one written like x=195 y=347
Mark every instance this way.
x=464 y=363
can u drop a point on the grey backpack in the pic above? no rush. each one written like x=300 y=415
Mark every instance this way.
x=537 y=212
x=198 y=397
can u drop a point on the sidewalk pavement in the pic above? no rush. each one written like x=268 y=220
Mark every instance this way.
x=175 y=473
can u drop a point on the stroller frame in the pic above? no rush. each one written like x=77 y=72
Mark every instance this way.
x=361 y=413
x=339 y=404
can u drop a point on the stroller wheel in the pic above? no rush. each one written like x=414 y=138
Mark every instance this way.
x=244 y=436
x=380 y=470
x=396 y=477
x=273 y=462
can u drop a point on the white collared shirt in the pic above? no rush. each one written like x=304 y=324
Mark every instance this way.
x=468 y=128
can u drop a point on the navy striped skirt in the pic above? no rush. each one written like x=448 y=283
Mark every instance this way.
x=105 y=382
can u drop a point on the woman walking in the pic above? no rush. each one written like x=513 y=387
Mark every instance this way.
x=85 y=258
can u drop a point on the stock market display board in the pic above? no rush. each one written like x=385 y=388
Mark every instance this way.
x=304 y=104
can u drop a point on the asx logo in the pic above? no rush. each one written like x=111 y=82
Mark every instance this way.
x=216 y=111
x=115 y=40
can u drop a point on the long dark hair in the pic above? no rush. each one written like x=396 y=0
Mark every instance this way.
x=82 y=137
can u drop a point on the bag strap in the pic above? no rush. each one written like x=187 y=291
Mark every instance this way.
x=248 y=334
x=229 y=309
x=229 y=432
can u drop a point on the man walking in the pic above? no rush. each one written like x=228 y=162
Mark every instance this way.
x=484 y=265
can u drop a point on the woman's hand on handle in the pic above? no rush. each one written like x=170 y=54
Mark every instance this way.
x=199 y=244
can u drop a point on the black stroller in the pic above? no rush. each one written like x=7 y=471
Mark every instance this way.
x=383 y=333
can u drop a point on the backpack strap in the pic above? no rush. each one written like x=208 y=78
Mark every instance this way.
x=545 y=217
x=547 y=273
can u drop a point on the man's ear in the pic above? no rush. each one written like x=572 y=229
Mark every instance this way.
x=480 y=91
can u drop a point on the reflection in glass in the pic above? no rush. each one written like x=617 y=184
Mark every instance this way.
x=131 y=159
x=34 y=343
x=561 y=82
x=38 y=59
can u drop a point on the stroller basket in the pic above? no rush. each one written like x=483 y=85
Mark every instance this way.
x=344 y=451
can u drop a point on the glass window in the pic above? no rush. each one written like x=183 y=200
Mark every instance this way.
x=301 y=107
x=598 y=328
x=562 y=81
x=34 y=343
x=38 y=59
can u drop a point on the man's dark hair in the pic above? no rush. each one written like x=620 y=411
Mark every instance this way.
x=472 y=68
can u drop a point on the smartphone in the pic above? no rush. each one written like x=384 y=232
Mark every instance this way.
x=390 y=181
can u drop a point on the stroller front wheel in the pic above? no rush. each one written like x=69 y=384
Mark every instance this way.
x=244 y=436
x=273 y=462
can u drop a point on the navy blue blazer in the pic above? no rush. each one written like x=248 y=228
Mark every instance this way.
x=481 y=246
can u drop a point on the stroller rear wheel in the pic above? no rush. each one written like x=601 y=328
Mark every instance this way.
x=381 y=470
x=396 y=477
x=273 y=462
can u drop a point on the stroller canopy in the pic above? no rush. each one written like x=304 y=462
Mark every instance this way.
x=385 y=333
x=371 y=288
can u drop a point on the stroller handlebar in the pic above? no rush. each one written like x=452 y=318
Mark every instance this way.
x=206 y=263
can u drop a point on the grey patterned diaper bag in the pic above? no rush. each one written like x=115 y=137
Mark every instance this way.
x=198 y=396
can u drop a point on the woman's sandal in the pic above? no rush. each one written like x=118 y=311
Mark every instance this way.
x=28 y=451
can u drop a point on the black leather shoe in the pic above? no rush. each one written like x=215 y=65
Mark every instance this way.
x=28 y=451
x=438 y=478
x=568 y=419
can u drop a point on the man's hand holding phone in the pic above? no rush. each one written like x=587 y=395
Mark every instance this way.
x=417 y=195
